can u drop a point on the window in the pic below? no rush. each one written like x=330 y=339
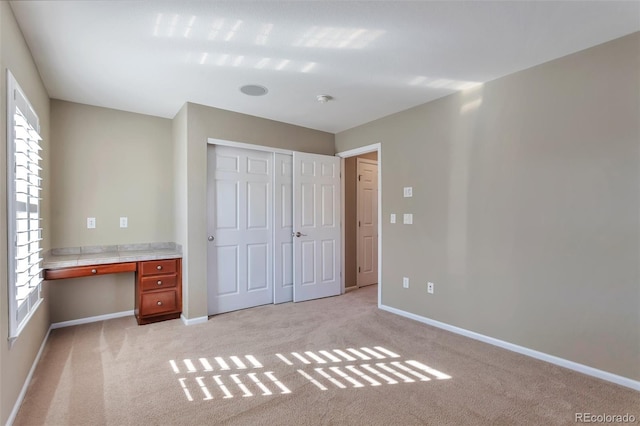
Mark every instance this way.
x=23 y=208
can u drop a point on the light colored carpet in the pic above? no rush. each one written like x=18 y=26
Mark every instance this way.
x=227 y=372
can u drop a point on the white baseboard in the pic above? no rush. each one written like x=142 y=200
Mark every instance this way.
x=581 y=368
x=62 y=324
x=193 y=321
x=27 y=381
x=91 y=319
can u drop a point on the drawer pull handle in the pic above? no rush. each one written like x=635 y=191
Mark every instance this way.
x=159 y=282
x=159 y=303
x=94 y=271
x=159 y=267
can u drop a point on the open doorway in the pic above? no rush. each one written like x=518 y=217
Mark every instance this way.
x=361 y=220
x=361 y=217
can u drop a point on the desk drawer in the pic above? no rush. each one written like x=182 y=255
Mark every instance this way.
x=158 y=282
x=155 y=267
x=158 y=302
x=87 y=271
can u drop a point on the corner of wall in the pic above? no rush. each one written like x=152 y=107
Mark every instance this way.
x=16 y=361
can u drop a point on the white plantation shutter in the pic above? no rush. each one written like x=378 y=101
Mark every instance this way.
x=23 y=208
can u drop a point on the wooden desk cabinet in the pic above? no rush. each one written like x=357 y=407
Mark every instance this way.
x=158 y=290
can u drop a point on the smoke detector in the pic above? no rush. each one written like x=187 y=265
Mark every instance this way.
x=323 y=99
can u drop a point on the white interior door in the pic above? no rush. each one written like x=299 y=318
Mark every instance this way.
x=316 y=224
x=367 y=231
x=240 y=259
x=282 y=228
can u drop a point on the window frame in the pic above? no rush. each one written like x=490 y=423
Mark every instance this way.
x=17 y=101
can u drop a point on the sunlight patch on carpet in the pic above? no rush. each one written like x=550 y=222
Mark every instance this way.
x=357 y=368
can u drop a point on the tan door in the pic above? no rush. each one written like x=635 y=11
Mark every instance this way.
x=367 y=231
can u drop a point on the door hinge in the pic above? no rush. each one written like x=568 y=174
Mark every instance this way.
x=359 y=224
x=358 y=269
x=359 y=177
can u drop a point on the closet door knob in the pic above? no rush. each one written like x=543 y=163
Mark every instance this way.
x=211 y=238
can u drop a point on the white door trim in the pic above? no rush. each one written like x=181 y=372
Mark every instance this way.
x=351 y=153
x=212 y=141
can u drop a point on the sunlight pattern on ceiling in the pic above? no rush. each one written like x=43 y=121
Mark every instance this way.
x=236 y=376
x=175 y=25
x=443 y=83
x=168 y=25
x=172 y=25
x=338 y=38
x=263 y=34
x=264 y=63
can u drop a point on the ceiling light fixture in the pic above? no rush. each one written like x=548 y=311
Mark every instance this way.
x=323 y=99
x=254 y=90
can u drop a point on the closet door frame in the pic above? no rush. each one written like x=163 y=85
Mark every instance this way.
x=280 y=295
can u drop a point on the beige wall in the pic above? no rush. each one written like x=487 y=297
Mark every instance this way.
x=203 y=123
x=181 y=186
x=350 y=267
x=16 y=361
x=106 y=164
x=526 y=207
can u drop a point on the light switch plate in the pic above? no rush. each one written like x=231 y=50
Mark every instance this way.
x=124 y=222
x=91 y=222
x=408 y=191
x=393 y=218
x=407 y=219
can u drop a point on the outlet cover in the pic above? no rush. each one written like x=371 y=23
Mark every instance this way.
x=405 y=282
x=393 y=218
x=430 y=287
x=407 y=219
x=124 y=222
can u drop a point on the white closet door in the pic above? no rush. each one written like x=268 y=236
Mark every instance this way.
x=282 y=229
x=316 y=224
x=240 y=258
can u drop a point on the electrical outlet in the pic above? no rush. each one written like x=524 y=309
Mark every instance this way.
x=124 y=222
x=91 y=222
x=405 y=282
x=393 y=218
x=430 y=287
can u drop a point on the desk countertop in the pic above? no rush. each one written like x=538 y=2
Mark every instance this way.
x=100 y=255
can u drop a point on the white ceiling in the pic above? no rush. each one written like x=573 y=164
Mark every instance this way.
x=374 y=57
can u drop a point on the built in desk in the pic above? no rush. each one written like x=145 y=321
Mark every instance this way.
x=157 y=268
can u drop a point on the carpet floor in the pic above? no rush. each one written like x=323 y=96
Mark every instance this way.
x=334 y=361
